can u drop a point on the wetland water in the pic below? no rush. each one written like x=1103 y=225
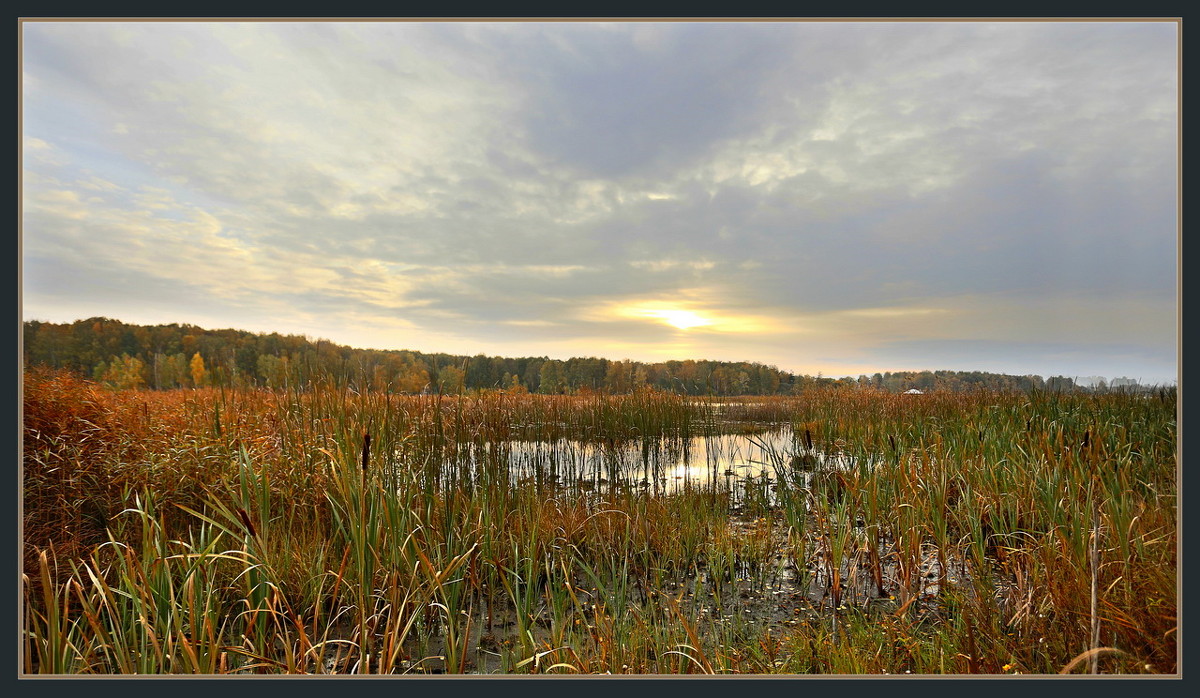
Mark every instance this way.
x=751 y=458
x=657 y=464
x=774 y=583
x=719 y=461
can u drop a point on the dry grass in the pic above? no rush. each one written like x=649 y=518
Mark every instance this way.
x=238 y=531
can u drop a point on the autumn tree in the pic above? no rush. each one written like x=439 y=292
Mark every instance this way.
x=272 y=370
x=617 y=376
x=450 y=379
x=125 y=372
x=198 y=370
x=413 y=377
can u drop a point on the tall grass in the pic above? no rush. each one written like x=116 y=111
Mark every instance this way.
x=209 y=531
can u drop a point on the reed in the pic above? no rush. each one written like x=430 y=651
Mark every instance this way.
x=220 y=531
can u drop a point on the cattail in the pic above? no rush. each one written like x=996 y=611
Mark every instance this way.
x=246 y=521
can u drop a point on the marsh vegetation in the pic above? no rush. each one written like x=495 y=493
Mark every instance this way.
x=848 y=531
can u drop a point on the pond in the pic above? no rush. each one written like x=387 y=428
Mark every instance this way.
x=748 y=459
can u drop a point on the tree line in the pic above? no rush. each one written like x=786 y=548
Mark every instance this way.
x=121 y=355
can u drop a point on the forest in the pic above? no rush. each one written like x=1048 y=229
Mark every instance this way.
x=121 y=355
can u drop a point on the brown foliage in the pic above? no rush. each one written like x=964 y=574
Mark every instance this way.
x=66 y=426
x=59 y=408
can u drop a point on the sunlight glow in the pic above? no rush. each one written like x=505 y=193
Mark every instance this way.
x=688 y=315
x=683 y=319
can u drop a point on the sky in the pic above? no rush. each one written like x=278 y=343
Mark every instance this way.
x=828 y=197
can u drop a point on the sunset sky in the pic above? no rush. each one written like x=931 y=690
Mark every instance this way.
x=833 y=197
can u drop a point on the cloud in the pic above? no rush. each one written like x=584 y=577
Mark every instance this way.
x=492 y=184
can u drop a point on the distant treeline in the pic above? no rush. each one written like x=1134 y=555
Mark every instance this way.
x=177 y=356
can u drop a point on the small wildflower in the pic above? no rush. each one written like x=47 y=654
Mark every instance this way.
x=1006 y=667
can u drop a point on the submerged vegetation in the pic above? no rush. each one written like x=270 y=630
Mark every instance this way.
x=343 y=530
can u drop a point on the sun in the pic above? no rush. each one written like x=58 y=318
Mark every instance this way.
x=683 y=315
x=683 y=319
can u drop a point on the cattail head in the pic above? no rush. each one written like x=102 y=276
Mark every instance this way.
x=246 y=521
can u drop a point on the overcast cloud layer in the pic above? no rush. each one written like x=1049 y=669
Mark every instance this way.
x=841 y=198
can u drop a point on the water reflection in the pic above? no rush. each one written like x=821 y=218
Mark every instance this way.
x=658 y=465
